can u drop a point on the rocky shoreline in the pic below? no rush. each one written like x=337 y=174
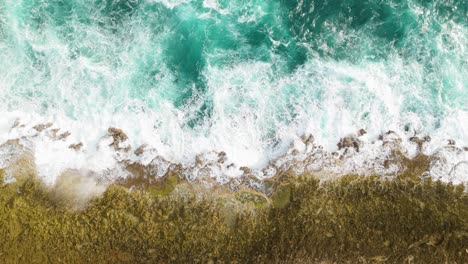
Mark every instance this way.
x=306 y=207
x=289 y=219
x=388 y=156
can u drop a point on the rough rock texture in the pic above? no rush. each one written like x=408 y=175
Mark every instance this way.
x=119 y=137
x=303 y=220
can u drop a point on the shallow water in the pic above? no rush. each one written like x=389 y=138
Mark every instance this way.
x=244 y=77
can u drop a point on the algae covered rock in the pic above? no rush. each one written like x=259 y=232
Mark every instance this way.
x=351 y=219
x=282 y=195
x=255 y=198
x=165 y=185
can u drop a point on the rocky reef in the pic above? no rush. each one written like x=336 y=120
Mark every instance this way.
x=288 y=218
x=307 y=206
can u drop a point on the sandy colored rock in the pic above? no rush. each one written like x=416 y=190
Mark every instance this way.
x=118 y=138
x=42 y=127
x=76 y=146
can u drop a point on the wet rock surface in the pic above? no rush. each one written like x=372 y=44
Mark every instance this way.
x=76 y=146
x=119 y=139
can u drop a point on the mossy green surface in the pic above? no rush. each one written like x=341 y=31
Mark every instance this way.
x=349 y=220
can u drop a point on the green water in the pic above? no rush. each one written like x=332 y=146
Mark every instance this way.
x=327 y=67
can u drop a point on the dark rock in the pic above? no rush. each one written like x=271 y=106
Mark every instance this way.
x=349 y=142
x=361 y=132
x=222 y=157
x=63 y=135
x=387 y=163
x=42 y=127
x=451 y=142
x=308 y=139
x=346 y=142
x=76 y=147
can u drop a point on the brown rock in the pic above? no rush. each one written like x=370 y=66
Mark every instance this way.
x=76 y=147
x=222 y=157
x=126 y=149
x=140 y=149
x=349 y=142
x=418 y=141
x=42 y=127
x=308 y=139
x=246 y=170
x=346 y=142
x=361 y=132
x=119 y=136
x=63 y=135
x=199 y=160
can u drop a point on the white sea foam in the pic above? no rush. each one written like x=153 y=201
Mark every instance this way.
x=258 y=112
x=248 y=102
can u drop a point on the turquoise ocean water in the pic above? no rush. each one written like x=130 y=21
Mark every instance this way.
x=244 y=76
